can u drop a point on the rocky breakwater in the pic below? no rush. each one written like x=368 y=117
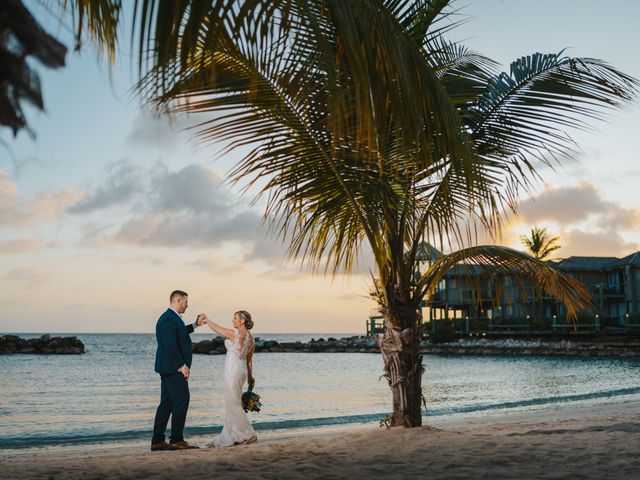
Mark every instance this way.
x=533 y=347
x=46 y=344
x=330 y=345
x=472 y=346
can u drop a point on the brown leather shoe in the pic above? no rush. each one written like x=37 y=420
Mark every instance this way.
x=162 y=446
x=182 y=445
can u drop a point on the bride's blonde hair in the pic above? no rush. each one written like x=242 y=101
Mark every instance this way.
x=246 y=316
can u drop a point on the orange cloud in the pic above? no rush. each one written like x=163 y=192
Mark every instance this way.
x=15 y=211
x=20 y=245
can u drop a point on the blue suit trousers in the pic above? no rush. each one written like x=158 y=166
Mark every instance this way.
x=174 y=402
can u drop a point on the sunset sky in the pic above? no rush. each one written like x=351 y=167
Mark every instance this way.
x=108 y=209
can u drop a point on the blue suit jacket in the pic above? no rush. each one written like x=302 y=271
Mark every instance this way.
x=174 y=343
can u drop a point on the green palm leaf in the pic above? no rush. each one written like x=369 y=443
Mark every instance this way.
x=524 y=110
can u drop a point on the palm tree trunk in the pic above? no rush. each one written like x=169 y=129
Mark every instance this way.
x=400 y=348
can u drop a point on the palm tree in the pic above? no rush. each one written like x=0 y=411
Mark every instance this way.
x=366 y=126
x=540 y=243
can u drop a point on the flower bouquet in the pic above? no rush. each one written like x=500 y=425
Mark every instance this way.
x=250 y=399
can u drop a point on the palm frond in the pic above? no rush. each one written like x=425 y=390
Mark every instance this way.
x=100 y=19
x=527 y=109
x=519 y=119
x=21 y=37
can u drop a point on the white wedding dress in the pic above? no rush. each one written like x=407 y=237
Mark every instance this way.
x=237 y=427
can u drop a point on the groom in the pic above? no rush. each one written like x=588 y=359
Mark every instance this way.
x=173 y=363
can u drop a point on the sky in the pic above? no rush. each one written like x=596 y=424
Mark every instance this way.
x=108 y=209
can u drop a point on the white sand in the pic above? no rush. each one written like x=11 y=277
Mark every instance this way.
x=572 y=441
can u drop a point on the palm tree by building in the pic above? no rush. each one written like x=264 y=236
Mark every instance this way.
x=368 y=127
x=540 y=244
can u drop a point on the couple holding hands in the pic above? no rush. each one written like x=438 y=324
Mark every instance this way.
x=173 y=363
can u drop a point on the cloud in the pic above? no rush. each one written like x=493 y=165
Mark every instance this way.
x=28 y=277
x=217 y=266
x=564 y=205
x=619 y=218
x=605 y=244
x=268 y=248
x=232 y=270
x=574 y=204
x=282 y=274
x=187 y=207
x=194 y=188
x=123 y=181
x=162 y=132
x=148 y=260
x=45 y=205
x=587 y=223
x=184 y=229
x=272 y=249
x=20 y=245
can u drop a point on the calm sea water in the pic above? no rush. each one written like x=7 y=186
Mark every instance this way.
x=110 y=393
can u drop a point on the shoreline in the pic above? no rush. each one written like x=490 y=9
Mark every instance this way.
x=581 y=439
x=434 y=415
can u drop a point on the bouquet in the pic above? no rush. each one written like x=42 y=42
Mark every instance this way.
x=250 y=399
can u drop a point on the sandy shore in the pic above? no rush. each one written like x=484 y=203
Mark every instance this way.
x=571 y=441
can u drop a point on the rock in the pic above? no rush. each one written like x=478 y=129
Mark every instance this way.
x=355 y=344
x=43 y=345
x=471 y=346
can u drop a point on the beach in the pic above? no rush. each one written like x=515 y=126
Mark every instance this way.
x=574 y=440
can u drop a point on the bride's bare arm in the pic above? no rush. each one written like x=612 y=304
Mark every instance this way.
x=225 y=332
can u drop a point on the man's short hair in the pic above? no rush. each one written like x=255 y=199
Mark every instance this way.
x=177 y=293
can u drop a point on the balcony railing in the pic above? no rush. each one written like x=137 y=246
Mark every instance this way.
x=517 y=324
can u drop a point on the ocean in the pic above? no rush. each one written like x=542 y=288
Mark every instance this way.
x=109 y=394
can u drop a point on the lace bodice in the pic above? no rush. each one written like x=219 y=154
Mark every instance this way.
x=241 y=345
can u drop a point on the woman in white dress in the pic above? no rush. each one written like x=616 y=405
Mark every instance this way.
x=238 y=368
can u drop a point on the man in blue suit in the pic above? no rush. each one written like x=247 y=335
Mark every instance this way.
x=173 y=363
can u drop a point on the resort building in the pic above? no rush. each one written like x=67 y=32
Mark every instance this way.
x=477 y=301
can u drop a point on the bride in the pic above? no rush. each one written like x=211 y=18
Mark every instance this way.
x=238 y=367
